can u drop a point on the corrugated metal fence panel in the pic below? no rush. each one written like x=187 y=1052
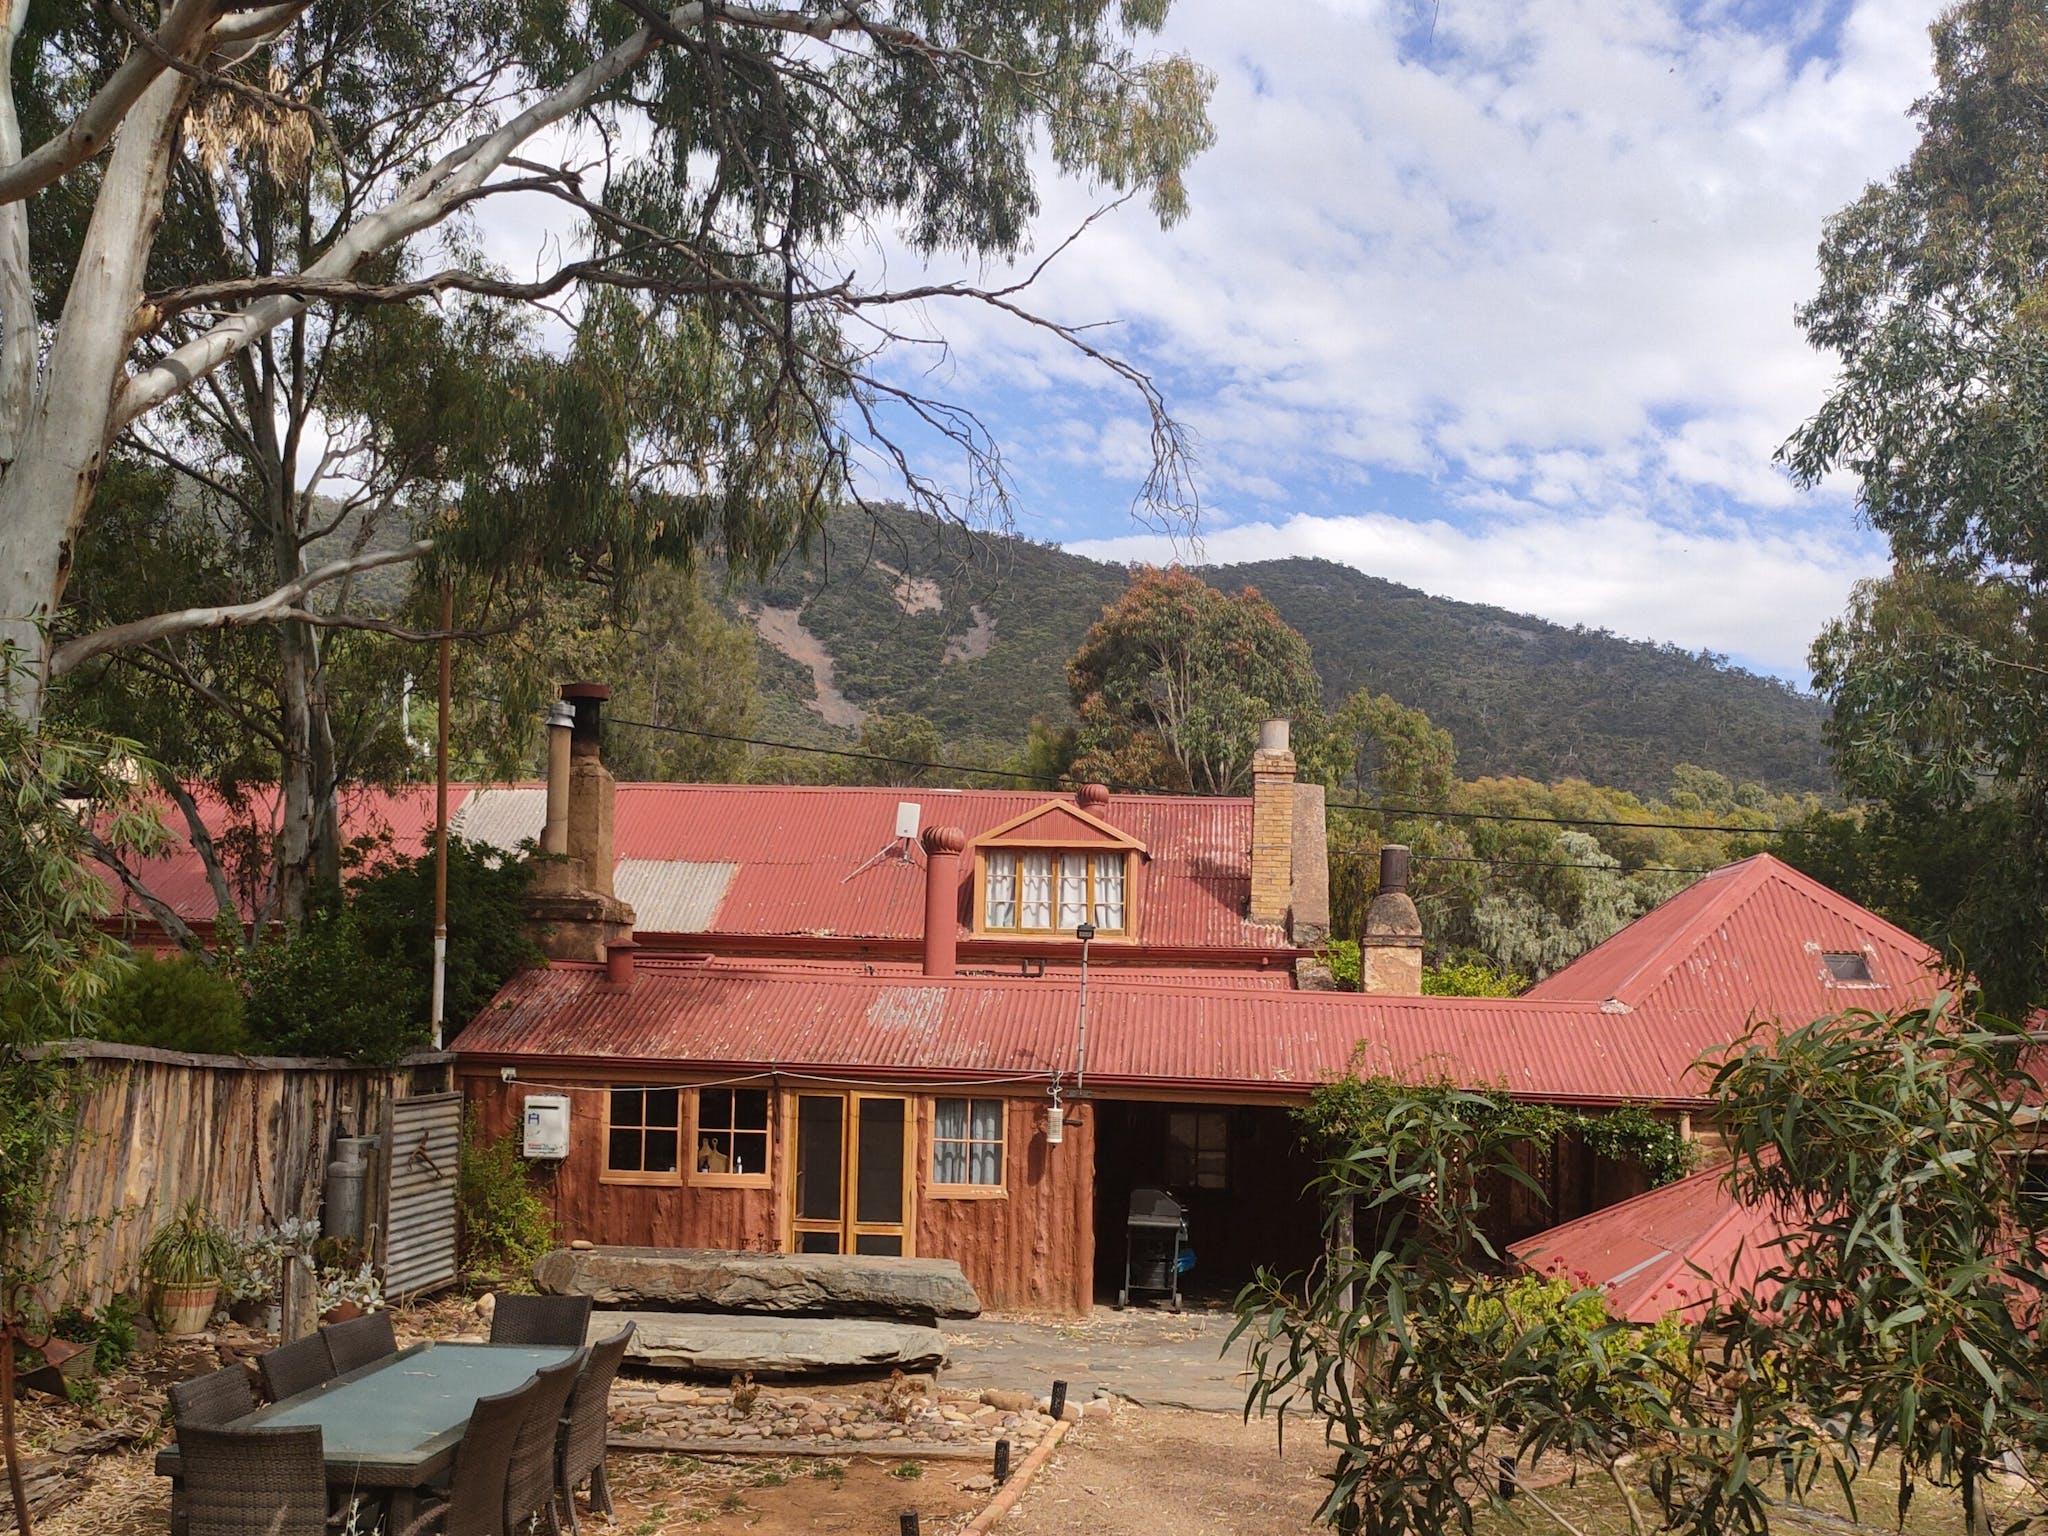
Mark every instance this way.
x=421 y=1149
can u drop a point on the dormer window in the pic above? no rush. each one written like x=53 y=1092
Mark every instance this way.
x=1849 y=966
x=1050 y=870
x=1053 y=891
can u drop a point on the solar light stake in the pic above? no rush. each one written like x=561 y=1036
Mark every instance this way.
x=907 y=1523
x=1059 y=1398
x=1002 y=1462
x=1508 y=1481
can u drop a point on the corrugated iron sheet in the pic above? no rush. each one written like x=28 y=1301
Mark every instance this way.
x=806 y=860
x=1746 y=942
x=422 y=1146
x=673 y=895
x=1647 y=1253
x=1138 y=1035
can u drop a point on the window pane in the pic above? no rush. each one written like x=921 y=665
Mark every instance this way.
x=626 y=1104
x=878 y=1243
x=665 y=1107
x=714 y=1152
x=714 y=1109
x=1109 y=890
x=819 y=1138
x=985 y=1162
x=1035 y=908
x=750 y=1109
x=949 y=1120
x=1073 y=891
x=878 y=1165
x=1001 y=905
x=623 y=1155
x=661 y=1152
x=817 y=1242
x=750 y=1152
x=987 y=1123
x=949 y=1162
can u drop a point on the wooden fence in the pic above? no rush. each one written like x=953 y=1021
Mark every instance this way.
x=249 y=1136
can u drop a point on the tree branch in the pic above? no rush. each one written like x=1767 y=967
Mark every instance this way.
x=165 y=915
x=275 y=607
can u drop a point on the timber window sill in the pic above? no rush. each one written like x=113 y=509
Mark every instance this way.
x=966 y=1192
x=731 y=1181
x=644 y=1180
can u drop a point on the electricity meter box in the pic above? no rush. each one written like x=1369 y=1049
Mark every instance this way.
x=547 y=1125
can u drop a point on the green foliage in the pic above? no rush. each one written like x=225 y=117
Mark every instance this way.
x=355 y=979
x=1172 y=682
x=178 y=1003
x=1418 y=1366
x=1471 y=977
x=189 y=1249
x=110 y=1330
x=1349 y=1110
x=506 y=1226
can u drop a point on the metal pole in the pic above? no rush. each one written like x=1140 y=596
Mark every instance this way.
x=441 y=819
x=1084 y=933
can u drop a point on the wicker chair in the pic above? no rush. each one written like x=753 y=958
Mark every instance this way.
x=584 y=1425
x=295 y=1368
x=540 y=1320
x=475 y=1505
x=218 y=1397
x=253 y=1482
x=360 y=1341
x=530 y=1490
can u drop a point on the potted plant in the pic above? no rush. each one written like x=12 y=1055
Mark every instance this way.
x=186 y=1258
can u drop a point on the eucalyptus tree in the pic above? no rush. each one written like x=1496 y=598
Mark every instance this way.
x=1931 y=297
x=730 y=370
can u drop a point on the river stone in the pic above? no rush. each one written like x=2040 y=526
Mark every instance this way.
x=723 y=1344
x=779 y=1284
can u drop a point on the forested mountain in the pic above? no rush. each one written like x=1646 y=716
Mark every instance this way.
x=901 y=615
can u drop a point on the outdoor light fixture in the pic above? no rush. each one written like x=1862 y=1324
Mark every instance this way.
x=1084 y=933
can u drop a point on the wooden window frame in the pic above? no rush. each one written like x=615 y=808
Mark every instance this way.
x=640 y=1176
x=1059 y=851
x=937 y=1188
x=765 y=1179
x=1194 y=1179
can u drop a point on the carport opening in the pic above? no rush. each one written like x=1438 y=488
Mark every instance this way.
x=1240 y=1174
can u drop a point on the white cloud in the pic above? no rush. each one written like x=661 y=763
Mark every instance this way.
x=1717 y=586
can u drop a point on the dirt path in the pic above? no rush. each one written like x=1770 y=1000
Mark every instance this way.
x=1146 y=1470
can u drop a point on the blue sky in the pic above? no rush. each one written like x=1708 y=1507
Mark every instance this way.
x=1493 y=299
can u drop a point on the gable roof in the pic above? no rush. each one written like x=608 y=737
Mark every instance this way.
x=1648 y=1253
x=1060 y=822
x=1748 y=942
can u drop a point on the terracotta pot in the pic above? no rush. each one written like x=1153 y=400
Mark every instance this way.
x=341 y=1312
x=183 y=1310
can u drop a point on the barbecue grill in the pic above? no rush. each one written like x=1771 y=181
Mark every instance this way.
x=1155 y=1234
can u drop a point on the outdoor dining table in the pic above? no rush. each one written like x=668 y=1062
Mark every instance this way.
x=392 y=1427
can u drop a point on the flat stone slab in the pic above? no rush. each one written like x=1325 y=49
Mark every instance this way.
x=721 y=1343
x=774 y=1284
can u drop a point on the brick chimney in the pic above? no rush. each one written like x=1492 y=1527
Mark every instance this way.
x=942 y=847
x=572 y=911
x=1390 y=948
x=1272 y=825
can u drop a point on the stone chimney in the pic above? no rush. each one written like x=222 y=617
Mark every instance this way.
x=1272 y=825
x=942 y=847
x=1390 y=949
x=572 y=911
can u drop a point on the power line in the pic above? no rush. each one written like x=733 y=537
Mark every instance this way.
x=1381 y=807
x=1361 y=851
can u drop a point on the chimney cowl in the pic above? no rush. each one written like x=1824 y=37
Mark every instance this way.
x=618 y=962
x=1394 y=867
x=1273 y=736
x=942 y=840
x=587 y=700
x=1092 y=797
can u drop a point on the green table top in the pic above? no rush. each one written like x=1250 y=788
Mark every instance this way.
x=401 y=1416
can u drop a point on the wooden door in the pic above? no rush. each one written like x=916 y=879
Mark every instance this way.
x=852 y=1173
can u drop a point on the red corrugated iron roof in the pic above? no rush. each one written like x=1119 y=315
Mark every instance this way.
x=1748 y=942
x=1139 y=1034
x=1648 y=1253
x=806 y=856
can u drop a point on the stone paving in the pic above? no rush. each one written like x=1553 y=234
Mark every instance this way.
x=910 y=1409
x=1155 y=1358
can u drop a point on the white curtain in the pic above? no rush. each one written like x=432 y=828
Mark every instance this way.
x=949 y=1142
x=1001 y=907
x=985 y=1141
x=1036 y=909
x=1073 y=891
x=1109 y=891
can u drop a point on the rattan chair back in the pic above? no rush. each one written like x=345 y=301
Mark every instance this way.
x=588 y=1417
x=218 y=1397
x=294 y=1368
x=483 y=1463
x=530 y=1490
x=360 y=1341
x=540 y=1320
x=253 y=1482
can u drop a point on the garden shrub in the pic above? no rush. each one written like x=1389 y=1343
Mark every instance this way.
x=506 y=1226
x=178 y=1003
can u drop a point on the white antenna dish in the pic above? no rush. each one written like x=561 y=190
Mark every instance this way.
x=908 y=813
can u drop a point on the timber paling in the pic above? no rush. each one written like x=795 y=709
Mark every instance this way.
x=248 y=1136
